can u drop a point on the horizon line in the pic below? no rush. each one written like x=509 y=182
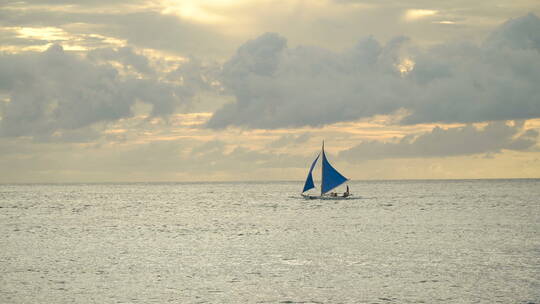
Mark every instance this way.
x=264 y=181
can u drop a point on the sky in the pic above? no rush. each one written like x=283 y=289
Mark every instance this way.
x=216 y=90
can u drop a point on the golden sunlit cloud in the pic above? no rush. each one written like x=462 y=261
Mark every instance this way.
x=446 y=22
x=45 y=37
x=42 y=33
x=415 y=14
x=199 y=11
x=405 y=66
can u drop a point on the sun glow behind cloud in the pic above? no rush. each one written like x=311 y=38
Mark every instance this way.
x=44 y=37
x=405 y=66
x=209 y=11
x=44 y=33
x=416 y=14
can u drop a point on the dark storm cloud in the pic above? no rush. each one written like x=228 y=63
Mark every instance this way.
x=276 y=86
x=440 y=142
x=55 y=90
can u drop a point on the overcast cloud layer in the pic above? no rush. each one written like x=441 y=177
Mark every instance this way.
x=276 y=86
x=440 y=142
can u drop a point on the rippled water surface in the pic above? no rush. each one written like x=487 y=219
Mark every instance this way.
x=399 y=242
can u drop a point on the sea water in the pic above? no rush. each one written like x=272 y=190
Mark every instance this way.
x=464 y=241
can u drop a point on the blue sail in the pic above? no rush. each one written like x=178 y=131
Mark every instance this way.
x=331 y=178
x=309 y=180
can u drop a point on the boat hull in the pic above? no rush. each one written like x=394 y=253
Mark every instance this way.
x=326 y=197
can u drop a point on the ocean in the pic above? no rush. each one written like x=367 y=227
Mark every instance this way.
x=451 y=241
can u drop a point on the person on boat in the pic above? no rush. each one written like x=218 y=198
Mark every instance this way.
x=333 y=194
x=346 y=193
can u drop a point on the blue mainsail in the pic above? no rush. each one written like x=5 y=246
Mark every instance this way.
x=331 y=178
x=309 y=180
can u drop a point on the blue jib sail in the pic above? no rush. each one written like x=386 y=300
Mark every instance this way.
x=309 y=180
x=330 y=177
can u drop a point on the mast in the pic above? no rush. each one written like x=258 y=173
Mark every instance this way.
x=322 y=169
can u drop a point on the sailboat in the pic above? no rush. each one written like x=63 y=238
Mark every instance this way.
x=330 y=179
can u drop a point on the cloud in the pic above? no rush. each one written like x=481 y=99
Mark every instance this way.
x=276 y=86
x=164 y=32
x=415 y=14
x=218 y=155
x=467 y=140
x=125 y=55
x=140 y=26
x=518 y=33
x=54 y=90
x=91 y=3
x=290 y=139
x=469 y=83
